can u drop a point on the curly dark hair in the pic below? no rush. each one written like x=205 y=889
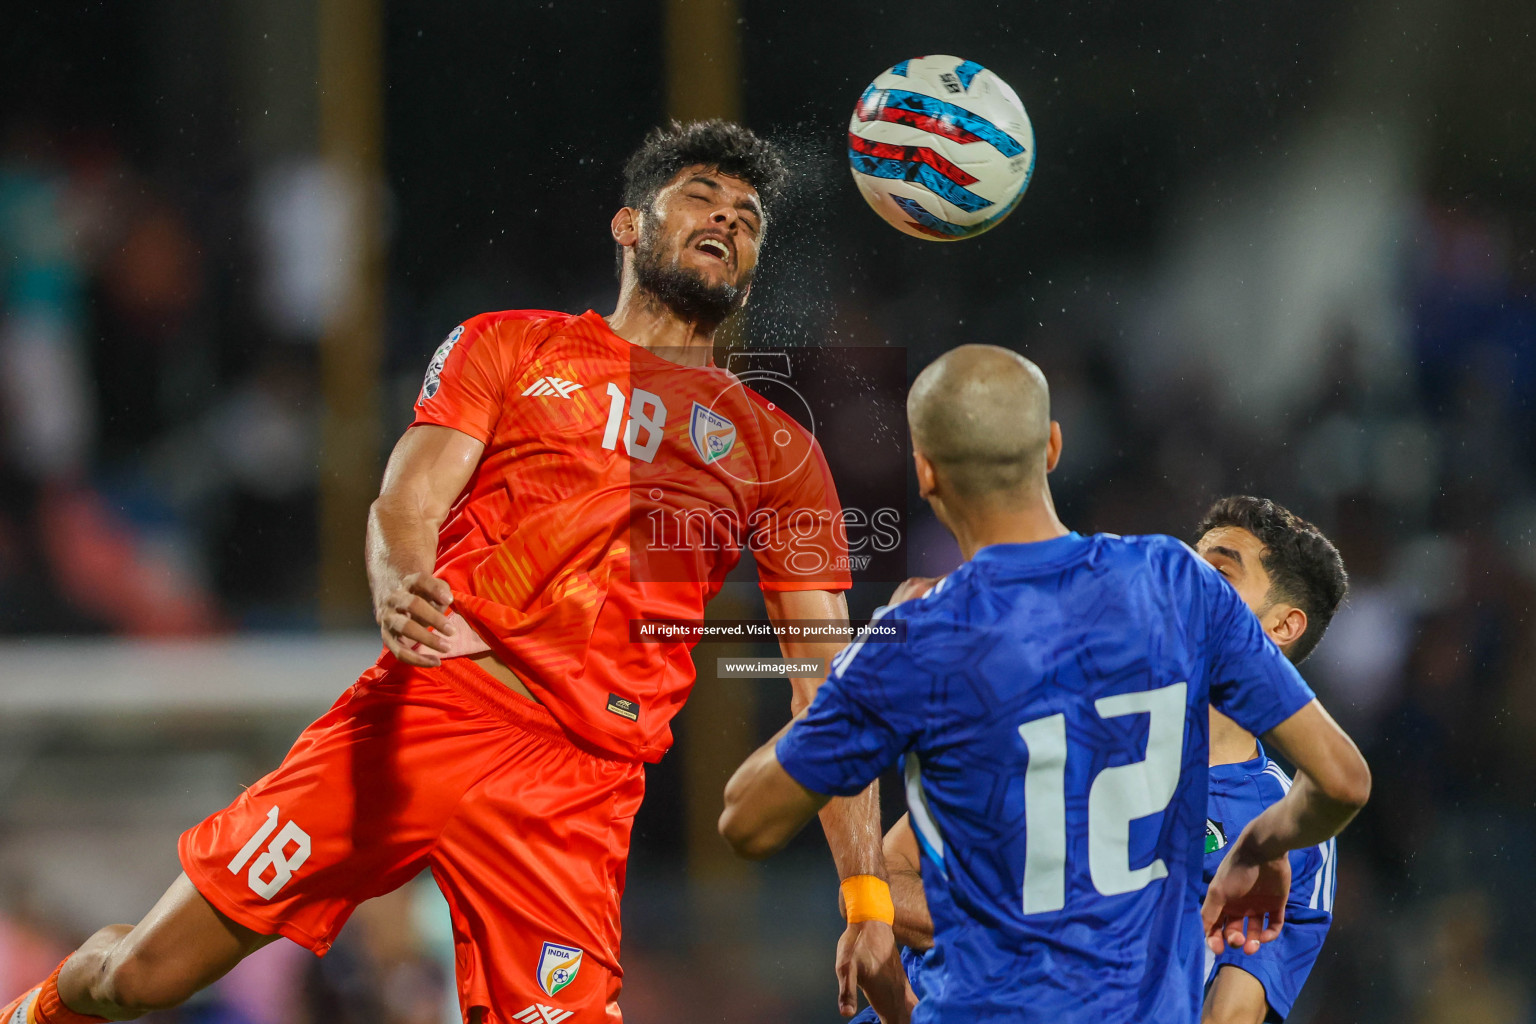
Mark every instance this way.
x=1303 y=565
x=727 y=147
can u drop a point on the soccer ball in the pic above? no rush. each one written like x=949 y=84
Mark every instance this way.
x=941 y=148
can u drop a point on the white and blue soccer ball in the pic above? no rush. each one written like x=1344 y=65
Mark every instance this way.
x=941 y=148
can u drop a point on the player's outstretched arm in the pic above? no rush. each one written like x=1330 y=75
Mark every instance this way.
x=1340 y=779
x=764 y=806
x=852 y=824
x=826 y=606
x=1332 y=783
x=427 y=472
x=866 y=953
x=914 y=925
x=764 y=809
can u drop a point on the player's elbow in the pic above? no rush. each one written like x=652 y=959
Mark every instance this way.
x=750 y=838
x=738 y=825
x=1353 y=789
x=1349 y=784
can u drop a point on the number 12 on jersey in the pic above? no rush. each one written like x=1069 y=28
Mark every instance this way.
x=1118 y=796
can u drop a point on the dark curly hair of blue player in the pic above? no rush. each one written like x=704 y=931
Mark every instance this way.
x=1304 y=567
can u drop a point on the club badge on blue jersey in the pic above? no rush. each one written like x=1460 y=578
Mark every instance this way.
x=558 y=966
x=712 y=434
x=1215 y=836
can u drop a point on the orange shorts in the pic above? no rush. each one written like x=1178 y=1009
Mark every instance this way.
x=526 y=833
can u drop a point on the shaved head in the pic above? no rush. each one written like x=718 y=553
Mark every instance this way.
x=982 y=415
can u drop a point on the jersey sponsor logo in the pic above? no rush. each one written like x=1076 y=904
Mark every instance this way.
x=712 y=434
x=552 y=387
x=439 y=360
x=538 y=1013
x=1215 y=836
x=623 y=708
x=557 y=967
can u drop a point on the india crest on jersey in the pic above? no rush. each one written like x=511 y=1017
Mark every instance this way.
x=558 y=966
x=712 y=434
x=1215 y=836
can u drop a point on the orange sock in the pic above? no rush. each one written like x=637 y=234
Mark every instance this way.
x=47 y=1007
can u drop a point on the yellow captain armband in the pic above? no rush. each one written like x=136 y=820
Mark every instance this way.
x=868 y=898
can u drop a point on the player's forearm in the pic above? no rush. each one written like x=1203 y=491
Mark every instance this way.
x=802 y=689
x=1306 y=816
x=913 y=926
x=852 y=825
x=401 y=541
x=427 y=472
x=764 y=806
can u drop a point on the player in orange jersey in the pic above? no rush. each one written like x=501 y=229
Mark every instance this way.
x=566 y=479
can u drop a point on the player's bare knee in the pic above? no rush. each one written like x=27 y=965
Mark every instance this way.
x=86 y=970
x=139 y=984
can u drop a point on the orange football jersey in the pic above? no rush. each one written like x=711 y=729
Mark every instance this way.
x=616 y=487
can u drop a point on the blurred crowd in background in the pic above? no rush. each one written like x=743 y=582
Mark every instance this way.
x=147 y=444
x=1327 y=309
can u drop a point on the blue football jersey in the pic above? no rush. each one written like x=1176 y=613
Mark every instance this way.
x=1050 y=700
x=1238 y=793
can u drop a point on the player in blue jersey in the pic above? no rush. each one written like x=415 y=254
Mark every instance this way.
x=1293 y=579
x=1051 y=697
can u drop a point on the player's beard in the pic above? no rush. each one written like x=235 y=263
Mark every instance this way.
x=686 y=292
